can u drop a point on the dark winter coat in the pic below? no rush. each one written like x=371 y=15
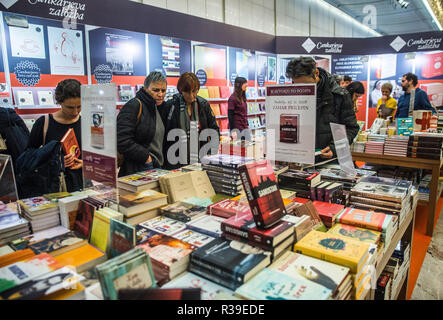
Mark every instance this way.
x=14 y=131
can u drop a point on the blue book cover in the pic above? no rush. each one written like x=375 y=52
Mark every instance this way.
x=274 y=285
x=123 y=237
x=405 y=126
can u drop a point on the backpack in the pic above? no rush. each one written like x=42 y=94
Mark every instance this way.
x=15 y=138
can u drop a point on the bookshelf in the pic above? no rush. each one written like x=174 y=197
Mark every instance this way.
x=407 y=162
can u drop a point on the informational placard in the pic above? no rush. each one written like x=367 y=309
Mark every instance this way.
x=99 y=134
x=342 y=149
x=291 y=122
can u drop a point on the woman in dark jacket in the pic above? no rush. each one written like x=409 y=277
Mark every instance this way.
x=183 y=110
x=140 y=129
x=238 y=108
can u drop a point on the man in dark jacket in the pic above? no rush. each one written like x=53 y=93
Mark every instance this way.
x=179 y=113
x=334 y=103
x=14 y=132
x=140 y=128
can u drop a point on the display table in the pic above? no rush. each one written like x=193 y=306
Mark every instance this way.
x=419 y=163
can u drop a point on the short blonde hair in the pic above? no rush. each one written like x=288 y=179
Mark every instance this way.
x=387 y=86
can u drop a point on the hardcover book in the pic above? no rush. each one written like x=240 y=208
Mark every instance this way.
x=356 y=233
x=273 y=285
x=123 y=237
x=183 y=211
x=164 y=225
x=232 y=259
x=326 y=274
x=137 y=183
x=143 y=201
x=263 y=194
x=209 y=225
x=70 y=144
x=333 y=248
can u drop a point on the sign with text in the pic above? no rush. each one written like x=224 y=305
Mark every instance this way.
x=99 y=134
x=342 y=149
x=291 y=122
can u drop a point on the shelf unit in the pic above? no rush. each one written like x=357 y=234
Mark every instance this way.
x=407 y=162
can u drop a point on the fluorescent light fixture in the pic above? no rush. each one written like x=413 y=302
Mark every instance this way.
x=340 y=13
x=428 y=7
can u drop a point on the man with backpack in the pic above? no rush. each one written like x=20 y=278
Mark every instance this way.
x=334 y=103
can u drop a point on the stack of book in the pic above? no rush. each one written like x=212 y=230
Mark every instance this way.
x=227 y=208
x=440 y=120
x=183 y=211
x=169 y=256
x=396 y=146
x=141 y=206
x=387 y=195
x=377 y=221
x=342 y=251
x=328 y=212
x=192 y=167
x=301 y=182
x=207 y=224
x=223 y=172
x=131 y=270
x=41 y=213
x=375 y=147
x=329 y=275
x=359 y=146
x=136 y=183
x=12 y=226
x=424 y=188
x=335 y=174
x=228 y=263
x=426 y=146
x=327 y=191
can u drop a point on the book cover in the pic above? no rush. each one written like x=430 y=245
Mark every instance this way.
x=366 y=219
x=296 y=176
x=375 y=202
x=232 y=259
x=210 y=225
x=137 y=182
x=23 y=271
x=58 y=244
x=123 y=237
x=226 y=161
x=167 y=250
x=54 y=197
x=145 y=200
x=164 y=225
x=82 y=258
x=244 y=226
x=289 y=128
x=328 y=211
x=143 y=234
x=183 y=211
x=273 y=285
x=263 y=194
x=227 y=208
x=36 y=204
x=84 y=218
x=193 y=237
x=10 y=220
x=333 y=248
x=387 y=181
x=209 y=289
x=405 y=126
x=356 y=233
x=70 y=144
x=379 y=191
x=326 y=274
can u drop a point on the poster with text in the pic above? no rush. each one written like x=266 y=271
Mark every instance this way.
x=99 y=133
x=210 y=63
x=291 y=122
x=322 y=61
x=66 y=51
x=242 y=64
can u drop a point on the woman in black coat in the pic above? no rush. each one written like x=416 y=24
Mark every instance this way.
x=180 y=112
x=140 y=129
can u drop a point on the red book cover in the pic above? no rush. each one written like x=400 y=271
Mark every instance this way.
x=263 y=195
x=244 y=226
x=70 y=144
x=227 y=208
x=328 y=211
x=84 y=218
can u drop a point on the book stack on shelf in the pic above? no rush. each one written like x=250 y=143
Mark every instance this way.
x=374 y=146
x=222 y=171
x=440 y=120
x=342 y=251
x=359 y=146
x=302 y=182
x=396 y=146
x=333 y=173
x=424 y=188
x=390 y=196
x=41 y=213
x=426 y=146
x=12 y=226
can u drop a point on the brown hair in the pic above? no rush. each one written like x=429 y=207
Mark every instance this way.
x=387 y=86
x=188 y=82
x=238 y=91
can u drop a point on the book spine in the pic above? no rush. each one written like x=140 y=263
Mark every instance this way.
x=204 y=231
x=258 y=218
x=224 y=181
x=430 y=156
x=375 y=196
x=225 y=282
x=223 y=272
x=424 y=144
x=320 y=191
x=313 y=193
x=359 y=224
x=252 y=243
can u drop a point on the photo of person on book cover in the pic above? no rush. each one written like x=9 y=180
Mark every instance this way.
x=362 y=235
x=289 y=128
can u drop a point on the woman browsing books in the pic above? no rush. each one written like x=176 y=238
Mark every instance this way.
x=386 y=105
x=238 y=109
x=67 y=95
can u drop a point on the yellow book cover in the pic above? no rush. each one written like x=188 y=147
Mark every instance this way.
x=204 y=93
x=82 y=258
x=333 y=248
x=101 y=227
x=356 y=233
x=202 y=184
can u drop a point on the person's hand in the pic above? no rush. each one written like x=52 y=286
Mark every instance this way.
x=326 y=153
x=69 y=160
x=384 y=99
x=149 y=160
x=77 y=164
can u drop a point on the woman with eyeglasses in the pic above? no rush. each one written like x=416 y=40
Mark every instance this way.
x=183 y=111
x=140 y=128
x=67 y=95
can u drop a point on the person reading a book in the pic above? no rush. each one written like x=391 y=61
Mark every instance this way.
x=184 y=113
x=413 y=99
x=386 y=105
x=356 y=90
x=334 y=104
x=140 y=128
x=238 y=110
x=54 y=127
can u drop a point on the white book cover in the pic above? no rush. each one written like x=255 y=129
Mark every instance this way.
x=209 y=289
x=193 y=237
x=165 y=225
x=210 y=224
